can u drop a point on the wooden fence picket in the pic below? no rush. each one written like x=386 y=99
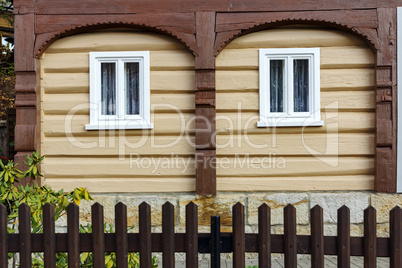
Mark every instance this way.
x=145 y=235
x=317 y=237
x=168 y=240
x=24 y=229
x=3 y=237
x=193 y=243
x=370 y=238
x=73 y=236
x=239 y=248
x=290 y=237
x=191 y=235
x=121 y=235
x=264 y=236
x=49 y=236
x=395 y=235
x=343 y=240
x=98 y=236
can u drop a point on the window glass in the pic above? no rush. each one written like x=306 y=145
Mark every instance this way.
x=276 y=85
x=132 y=82
x=108 y=88
x=301 y=85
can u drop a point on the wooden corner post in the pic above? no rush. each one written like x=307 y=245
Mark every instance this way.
x=386 y=102
x=205 y=110
x=25 y=88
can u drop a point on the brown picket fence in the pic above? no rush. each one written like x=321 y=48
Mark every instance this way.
x=193 y=243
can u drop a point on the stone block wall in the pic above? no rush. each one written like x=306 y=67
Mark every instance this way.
x=222 y=205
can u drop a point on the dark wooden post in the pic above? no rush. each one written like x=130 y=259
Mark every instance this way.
x=205 y=104
x=25 y=88
x=386 y=102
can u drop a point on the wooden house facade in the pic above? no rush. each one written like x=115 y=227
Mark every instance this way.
x=208 y=115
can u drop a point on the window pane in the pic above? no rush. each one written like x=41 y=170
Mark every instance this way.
x=108 y=84
x=132 y=81
x=276 y=85
x=301 y=85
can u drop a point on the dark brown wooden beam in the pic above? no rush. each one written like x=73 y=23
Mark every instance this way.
x=386 y=107
x=25 y=88
x=205 y=110
x=59 y=7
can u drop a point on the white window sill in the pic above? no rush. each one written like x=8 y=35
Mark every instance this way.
x=119 y=125
x=286 y=123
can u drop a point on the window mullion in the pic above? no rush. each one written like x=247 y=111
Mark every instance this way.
x=120 y=89
x=289 y=91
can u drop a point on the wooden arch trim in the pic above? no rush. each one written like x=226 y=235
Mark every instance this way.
x=45 y=39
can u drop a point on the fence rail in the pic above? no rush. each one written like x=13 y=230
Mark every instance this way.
x=192 y=243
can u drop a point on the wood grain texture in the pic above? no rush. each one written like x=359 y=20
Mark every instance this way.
x=290 y=183
x=65 y=84
x=174 y=6
x=126 y=185
x=233 y=21
x=347 y=82
x=386 y=123
x=184 y=22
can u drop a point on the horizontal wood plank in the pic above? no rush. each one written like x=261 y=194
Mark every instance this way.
x=350 y=100
x=347 y=57
x=164 y=123
x=230 y=123
x=296 y=144
x=125 y=185
x=115 y=41
x=79 y=62
x=118 y=145
x=288 y=166
x=294 y=37
x=331 y=79
x=161 y=81
x=293 y=183
x=65 y=103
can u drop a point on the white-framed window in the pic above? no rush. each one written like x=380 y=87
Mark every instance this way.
x=119 y=90
x=289 y=87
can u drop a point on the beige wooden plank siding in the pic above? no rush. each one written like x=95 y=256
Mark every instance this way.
x=336 y=156
x=157 y=160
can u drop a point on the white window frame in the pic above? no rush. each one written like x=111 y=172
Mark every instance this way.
x=289 y=118
x=121 y=120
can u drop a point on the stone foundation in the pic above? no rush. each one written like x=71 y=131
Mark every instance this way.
x=223 y=202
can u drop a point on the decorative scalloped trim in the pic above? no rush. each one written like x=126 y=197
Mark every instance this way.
x=68 y=31
x=268 y=24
